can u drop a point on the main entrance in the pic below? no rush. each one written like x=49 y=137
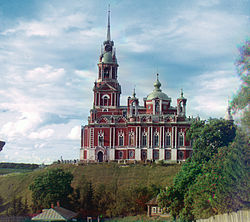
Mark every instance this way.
x=100 y=156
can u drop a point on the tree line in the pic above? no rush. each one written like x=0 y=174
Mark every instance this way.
x=19 y=166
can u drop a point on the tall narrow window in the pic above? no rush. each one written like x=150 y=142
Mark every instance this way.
x=144 y=139
x=181 y=139
x=156 y=139
x=113 y=72
x=157 y=107
x=106 y=72
x=168 y=139
x=120 y=139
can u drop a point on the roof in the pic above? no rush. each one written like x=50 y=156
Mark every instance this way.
x=55 y=214
x=152 y=201
x=157 y=94
x=107 y=58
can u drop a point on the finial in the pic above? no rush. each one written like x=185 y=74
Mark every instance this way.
x=157 y=76
x=108 y=31
x=181 y=92
x=134 y=94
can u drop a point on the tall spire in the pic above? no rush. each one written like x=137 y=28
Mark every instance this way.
x=108 y=31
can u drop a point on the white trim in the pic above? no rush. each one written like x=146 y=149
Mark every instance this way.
x=139 y=136
x=106 y=95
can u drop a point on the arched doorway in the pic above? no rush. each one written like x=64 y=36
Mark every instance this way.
x=100 y=156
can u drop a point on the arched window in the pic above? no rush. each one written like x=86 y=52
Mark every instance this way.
x=121 y=139
x=120 y=154
x=181 y=155
x=168 y=139
x=144 y=139
x=156 y=154
x=133 y=107
x=105 y=100
x=156 y=139
x=168 y=155
x=157 y=107
x=131 y=154
x=106 y=72
x=181 y=139
x=144 y=154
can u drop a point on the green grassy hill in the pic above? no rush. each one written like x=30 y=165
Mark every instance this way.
x=107 y=173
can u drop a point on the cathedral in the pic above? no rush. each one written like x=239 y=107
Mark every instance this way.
x=153 y=131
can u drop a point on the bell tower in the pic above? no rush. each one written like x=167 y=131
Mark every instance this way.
x=107 y=90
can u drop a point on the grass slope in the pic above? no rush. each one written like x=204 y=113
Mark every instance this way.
x=106 y=173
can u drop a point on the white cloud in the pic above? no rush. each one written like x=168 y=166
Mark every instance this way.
x=21 y=126
x=44 y=134
x=75 y=133
x=87 y=74
x=45 y=73
x=209 y=92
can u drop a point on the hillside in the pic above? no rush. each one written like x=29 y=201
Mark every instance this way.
x=107 y=174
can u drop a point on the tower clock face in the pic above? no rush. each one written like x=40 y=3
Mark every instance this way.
x=107 y=48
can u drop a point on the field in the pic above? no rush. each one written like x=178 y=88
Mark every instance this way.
x=17 y=181
x=4 y=171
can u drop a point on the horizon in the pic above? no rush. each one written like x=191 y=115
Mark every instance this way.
x=49 y=57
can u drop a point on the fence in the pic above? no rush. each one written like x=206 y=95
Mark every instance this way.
x=239 y=216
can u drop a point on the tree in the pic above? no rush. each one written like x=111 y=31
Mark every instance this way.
x=50 y=187
x=223 y=185
x=208 y=137
x=241 y=100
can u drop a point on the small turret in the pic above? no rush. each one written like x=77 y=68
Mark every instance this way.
x=133 y=104
x=181 y=105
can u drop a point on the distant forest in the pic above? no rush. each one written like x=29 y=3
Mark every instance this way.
x=19 y=166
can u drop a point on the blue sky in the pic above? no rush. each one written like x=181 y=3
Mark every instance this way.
x=49 y=52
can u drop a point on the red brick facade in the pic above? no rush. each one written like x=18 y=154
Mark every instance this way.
x=154 y=131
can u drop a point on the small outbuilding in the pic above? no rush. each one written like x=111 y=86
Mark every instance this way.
x=55 y=214
x=154 y=209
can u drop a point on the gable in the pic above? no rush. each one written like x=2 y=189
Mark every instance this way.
x=106 y=86
x=103 y=120
x=121 y=120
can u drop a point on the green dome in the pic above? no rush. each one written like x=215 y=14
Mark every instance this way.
x=107 y=58
x=157 y=93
